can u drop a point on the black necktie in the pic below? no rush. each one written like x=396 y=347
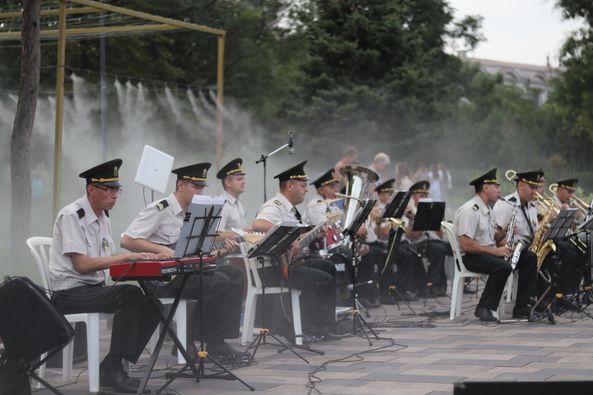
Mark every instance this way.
x=297 y=215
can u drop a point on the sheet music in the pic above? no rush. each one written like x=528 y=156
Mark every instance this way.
x=277 y=242
x=204 y=211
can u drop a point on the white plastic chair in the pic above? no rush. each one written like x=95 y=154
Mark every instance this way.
x=460 y=271
x=510 y=289
x=41 y=249
x=254 y=288
x=181 y=320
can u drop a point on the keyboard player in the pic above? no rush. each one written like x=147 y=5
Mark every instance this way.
x=156 y=229
x=82 y=249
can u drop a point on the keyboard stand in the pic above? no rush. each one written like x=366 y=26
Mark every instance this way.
x=166 y=321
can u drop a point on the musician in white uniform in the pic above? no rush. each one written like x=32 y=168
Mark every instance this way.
x=232 y=177
x=520 y=202
x=475 y=226
x=157 y=228
x=429 y=243
x=320 y=205
x=573 y=258
x=315 y=277
x=82 y=249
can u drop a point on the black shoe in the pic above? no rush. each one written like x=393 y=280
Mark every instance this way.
x=437 y=292
x=469 y=290
x=118 y=380
x=521 y=312
x=224 y=350
x=485 y=314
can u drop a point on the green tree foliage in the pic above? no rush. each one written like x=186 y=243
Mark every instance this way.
x=380 y=67
x=570 y=107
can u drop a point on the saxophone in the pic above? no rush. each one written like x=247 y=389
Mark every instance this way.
x=540 y=249
x=516 y=249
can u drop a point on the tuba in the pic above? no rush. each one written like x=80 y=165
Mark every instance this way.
x=359 y=181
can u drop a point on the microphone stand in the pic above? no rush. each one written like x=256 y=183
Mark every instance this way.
x=264 y=159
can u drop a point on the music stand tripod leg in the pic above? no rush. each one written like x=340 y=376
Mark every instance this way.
x=261 y=338
x=533 y=314
x=203 y=354
x=356 y=317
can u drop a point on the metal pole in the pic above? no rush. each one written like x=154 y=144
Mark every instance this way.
x=59 y=106
x=103 y=87
x=219 y=100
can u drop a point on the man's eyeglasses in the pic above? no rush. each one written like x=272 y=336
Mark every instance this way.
x=111 y=190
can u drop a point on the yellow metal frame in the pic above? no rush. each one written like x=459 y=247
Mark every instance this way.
x=159 y=24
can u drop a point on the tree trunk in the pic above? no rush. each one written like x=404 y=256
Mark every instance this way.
x=20 y=144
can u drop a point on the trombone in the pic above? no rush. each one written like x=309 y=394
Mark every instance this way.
x=574 y=201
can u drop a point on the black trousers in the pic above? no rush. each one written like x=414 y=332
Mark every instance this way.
x=316 y=278
x=411 y=275
x=369 y=267
x=498 y=271
x=435 y=251
x=573 y=267
x=135 y=315
x=223 y=299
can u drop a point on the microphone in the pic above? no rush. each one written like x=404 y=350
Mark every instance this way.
x=290 y=143
x=361 y=284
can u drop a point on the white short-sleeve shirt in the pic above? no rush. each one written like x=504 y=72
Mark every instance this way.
x=277 y=210
x=233 y=213
x=475 y=220
x=78 y=230
x=503 y=212
x=159 y=222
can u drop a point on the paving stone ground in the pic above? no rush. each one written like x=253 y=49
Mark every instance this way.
x=422 y=353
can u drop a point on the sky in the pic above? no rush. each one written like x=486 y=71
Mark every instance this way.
x=520 y=31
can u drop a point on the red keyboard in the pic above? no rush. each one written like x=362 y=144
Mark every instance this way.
x=160 y=268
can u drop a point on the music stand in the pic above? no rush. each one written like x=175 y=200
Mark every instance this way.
x=361 y=215
x=393 y=212
x=557 y=231
x=587 y=227
x=275 y=243
x=394 y=203
x=196 y=237
x=429 y=216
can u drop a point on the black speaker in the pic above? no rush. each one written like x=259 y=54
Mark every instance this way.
x=29 y=324
x=523 y=387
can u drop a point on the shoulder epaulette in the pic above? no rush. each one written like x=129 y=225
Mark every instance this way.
x=475 y=207
x=512 y=199
x=107 y=213
x=163 y=204
x=80 y=213
x=277 y=202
